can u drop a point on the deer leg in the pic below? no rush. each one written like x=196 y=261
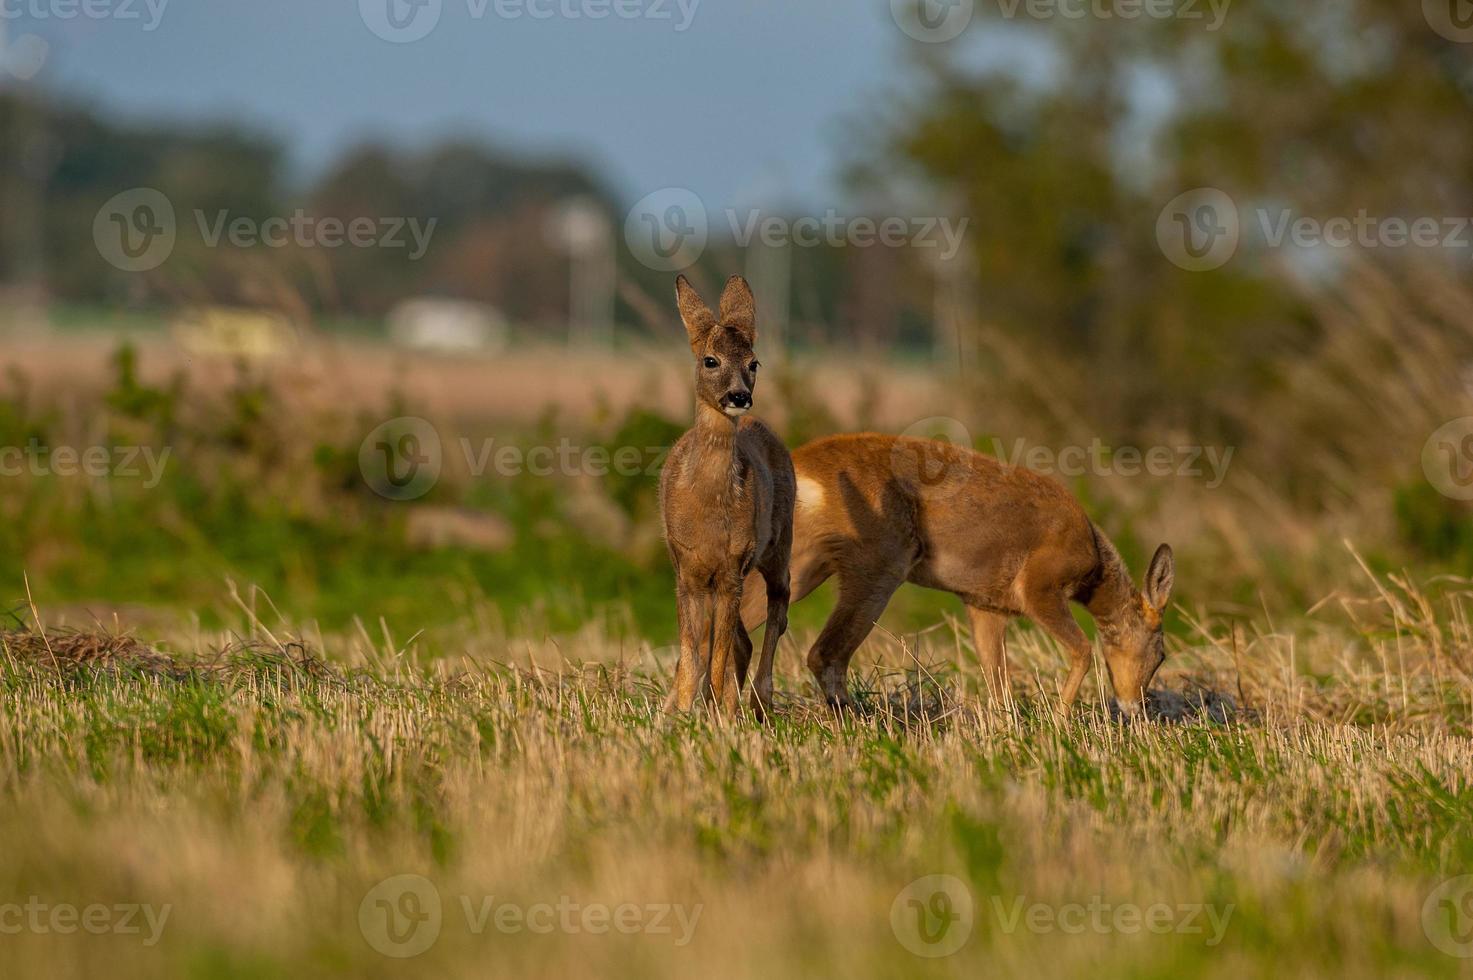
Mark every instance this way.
x=777 y=625
x=723 y=660
x=862 y=598
x=989 y=633
x=805 y=574
x=692 y=669
x=742 y=653
x=1051 y=611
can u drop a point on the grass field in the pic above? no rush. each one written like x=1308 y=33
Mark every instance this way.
x=303 y=806
x=260 y=721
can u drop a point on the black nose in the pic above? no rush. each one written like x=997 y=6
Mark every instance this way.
x=740 y=399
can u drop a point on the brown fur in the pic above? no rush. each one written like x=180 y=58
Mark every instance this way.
x=877 y=511
x=726 y=496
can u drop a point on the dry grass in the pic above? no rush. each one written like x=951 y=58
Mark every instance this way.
x=262 y=793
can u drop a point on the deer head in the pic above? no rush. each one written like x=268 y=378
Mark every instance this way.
x=1132 y=638
x=726 y=370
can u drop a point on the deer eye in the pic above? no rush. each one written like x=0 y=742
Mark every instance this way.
x=755 y=366
x=711 y=362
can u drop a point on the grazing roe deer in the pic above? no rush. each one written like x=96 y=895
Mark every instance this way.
x=877 y=511
x=726 y=497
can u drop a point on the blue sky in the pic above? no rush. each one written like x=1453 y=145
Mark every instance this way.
x=747 y=103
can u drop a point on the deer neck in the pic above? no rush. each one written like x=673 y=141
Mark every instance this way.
x=716 y=457
x=1113 y=600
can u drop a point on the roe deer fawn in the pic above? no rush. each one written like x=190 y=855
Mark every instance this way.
x=726 y=497
x=878 y=510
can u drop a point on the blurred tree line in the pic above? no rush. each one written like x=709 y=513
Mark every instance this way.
x=60 y=164
x=1320 y=109
x=494 y=238
x=1060 y=153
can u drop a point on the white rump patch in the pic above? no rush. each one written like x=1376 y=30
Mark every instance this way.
x=810 y=493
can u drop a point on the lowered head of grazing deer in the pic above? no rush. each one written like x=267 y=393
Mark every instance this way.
x=726 y=497
x=1130 y=622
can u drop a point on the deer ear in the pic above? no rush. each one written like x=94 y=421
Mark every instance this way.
x=738 y=308
x=1160 y=577
x=693 y=312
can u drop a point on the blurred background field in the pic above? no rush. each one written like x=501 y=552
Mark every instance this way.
x=1059 y=322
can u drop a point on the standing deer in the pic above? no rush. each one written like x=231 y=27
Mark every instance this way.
x=726 y=496
x=878 y=510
